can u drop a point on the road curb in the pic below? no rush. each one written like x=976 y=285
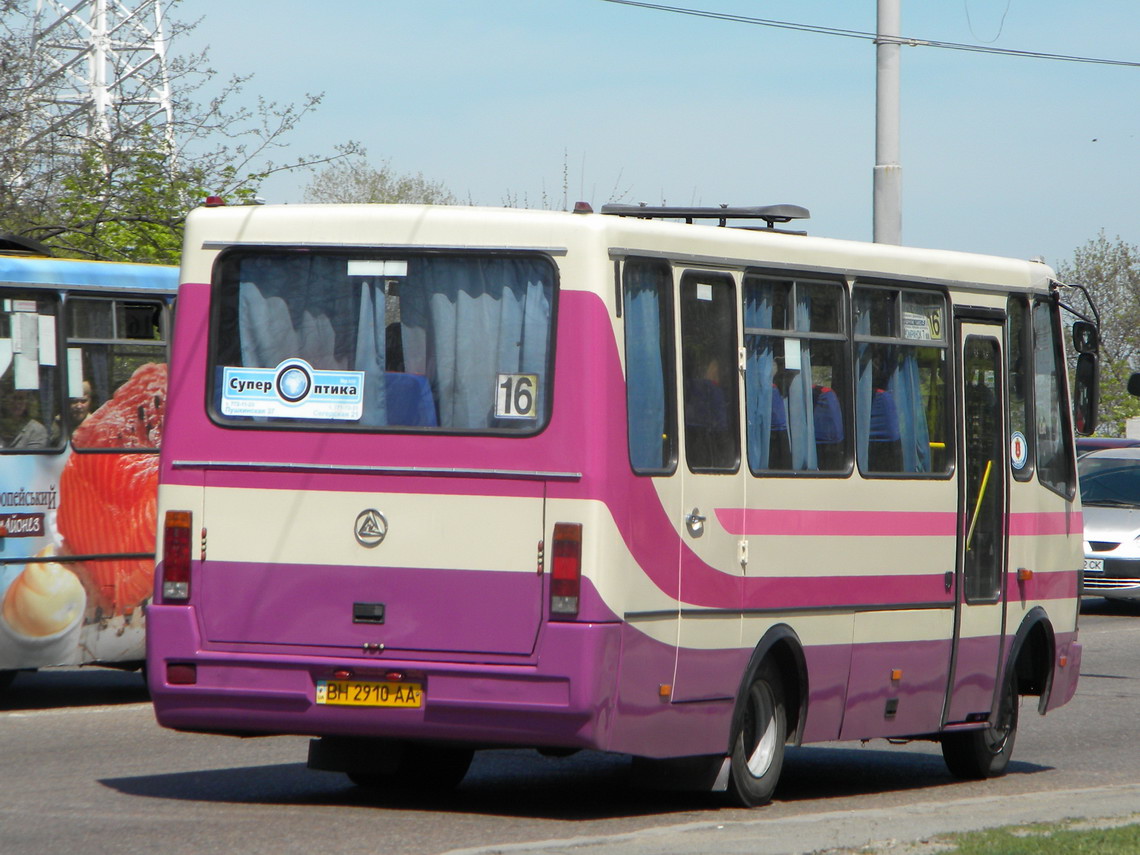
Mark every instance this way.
x=845 y=829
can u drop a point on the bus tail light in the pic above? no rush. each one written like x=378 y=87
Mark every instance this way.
x=176 y=556
x=181 y=673
x=566 y=570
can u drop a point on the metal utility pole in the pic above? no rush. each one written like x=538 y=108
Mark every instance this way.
x=888 y=171
x=107 y=61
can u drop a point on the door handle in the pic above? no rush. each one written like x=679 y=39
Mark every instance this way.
x=695 y=522
x=949 y=579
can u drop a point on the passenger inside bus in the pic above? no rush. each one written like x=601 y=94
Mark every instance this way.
x=885 y=446
x=20 y=428
x=707 y=439
x=81 y=406
x=779 y=442
x=828 y=417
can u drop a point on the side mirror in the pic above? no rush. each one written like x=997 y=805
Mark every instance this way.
x=1086 y=339
x=1134 y=384
x=1086 y=393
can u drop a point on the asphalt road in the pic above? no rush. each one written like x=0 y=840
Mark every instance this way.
x=84 y=769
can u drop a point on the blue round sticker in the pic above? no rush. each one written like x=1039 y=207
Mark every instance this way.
x=1018 y=450
x=293 y=383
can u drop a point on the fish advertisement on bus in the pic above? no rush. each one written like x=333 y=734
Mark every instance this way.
x=77 y=527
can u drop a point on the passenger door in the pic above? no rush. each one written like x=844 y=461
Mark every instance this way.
x=980 y=573
x=711 y=568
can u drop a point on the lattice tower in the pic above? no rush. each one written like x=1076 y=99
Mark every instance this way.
x=106 y=63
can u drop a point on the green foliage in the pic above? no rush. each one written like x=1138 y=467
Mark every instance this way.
x=1048 y=840
x=1110 y=269
x=123 y=204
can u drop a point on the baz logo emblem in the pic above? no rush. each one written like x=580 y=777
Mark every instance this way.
x=371 y=527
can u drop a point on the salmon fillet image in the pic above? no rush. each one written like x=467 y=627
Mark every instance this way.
x=107 y=500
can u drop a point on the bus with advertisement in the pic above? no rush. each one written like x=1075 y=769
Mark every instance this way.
x=82 y=396
x=438 y=479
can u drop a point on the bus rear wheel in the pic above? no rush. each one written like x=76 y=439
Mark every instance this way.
x=985 y=753
x=759 y=735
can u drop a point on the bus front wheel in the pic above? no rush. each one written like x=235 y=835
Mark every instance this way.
x=759 y=735
x=976 y=754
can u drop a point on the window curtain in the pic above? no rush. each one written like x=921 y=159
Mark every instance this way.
x=465 y=321
x=760 y=369
x=371 y=352
x=906 y=386
x=645 y=370
x=904 y=383
x=97 y=360
x=292 y=307
x=801 y=418
x=864 y=387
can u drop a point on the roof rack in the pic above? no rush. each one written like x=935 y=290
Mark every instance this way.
x=771 y=214
x=11 y=244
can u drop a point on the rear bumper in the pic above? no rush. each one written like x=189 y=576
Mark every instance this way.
x=563 y=696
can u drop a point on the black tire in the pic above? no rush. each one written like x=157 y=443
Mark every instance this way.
x=6 y=678
x=760 y=730
x=977 y=754
x=420 y=768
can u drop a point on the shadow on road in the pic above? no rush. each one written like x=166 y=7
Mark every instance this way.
x=52 y=688
x=1110 y=608
x=523 y=784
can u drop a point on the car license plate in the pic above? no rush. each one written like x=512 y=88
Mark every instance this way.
x=1094 y=565
x=351 y=693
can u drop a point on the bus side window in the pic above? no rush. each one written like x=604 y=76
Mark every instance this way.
x=112 y=342
x=1019 y=372
x=795 y=375
x=1054 y=457
x=901 y=370
x=708 y=366
x=649 y=361
x=29 y=372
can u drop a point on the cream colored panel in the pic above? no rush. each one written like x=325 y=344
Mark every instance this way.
x=660 y=629
x=980 y=621
x=806 y=557
x=316 y=527
x=1062 y=613
x=175 y=497
x=825 y=628
x=606 y=560
x=904 y=625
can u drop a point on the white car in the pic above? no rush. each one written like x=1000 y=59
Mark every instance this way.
x=1110 y=494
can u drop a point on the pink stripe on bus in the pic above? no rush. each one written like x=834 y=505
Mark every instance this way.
x=814 y=523
x=1033 y=525
x=754 y=521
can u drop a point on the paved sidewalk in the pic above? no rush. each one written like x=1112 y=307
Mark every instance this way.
x=839 y=830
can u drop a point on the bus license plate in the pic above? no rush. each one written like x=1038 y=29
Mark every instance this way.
x=1094 y=565
x=349 y=693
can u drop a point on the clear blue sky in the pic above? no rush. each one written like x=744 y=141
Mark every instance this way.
x=1011 y=156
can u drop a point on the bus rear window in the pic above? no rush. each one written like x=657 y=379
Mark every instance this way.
x=454 y=343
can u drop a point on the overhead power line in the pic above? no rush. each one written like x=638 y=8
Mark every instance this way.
x=857 y=34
